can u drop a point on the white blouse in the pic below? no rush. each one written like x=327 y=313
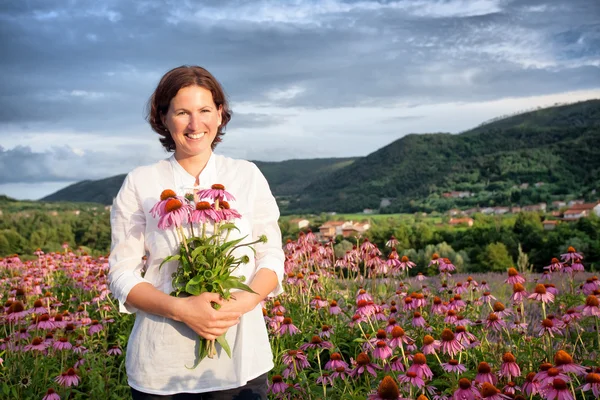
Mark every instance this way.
x=159 y=349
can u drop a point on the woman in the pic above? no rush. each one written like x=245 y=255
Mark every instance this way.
x=189 y=110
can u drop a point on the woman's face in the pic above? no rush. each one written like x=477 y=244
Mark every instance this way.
x=193 y=120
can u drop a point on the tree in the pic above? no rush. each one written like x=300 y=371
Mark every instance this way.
x=496 y=257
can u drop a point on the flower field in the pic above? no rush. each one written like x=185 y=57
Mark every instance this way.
x=358 y=327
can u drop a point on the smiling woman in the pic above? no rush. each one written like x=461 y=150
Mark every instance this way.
x=190 y=112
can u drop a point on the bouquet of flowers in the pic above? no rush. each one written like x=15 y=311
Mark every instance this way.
x=205 y=254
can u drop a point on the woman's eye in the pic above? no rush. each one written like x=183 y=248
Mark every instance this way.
x=181 y=113
x=205 y=111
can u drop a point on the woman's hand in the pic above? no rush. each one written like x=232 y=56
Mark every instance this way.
x=198 y=313
x=241 y=302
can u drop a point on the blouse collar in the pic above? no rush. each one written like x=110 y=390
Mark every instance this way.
x=184 y=181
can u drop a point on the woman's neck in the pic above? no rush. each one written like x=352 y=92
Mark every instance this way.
x=194 y=165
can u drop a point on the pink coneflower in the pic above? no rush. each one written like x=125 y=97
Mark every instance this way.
x=398 y=337
x=592 y=382
x=558 y=390
x=287 y=327
x=395 y=364
x=38 y=308
x=69 y=378
x=571 y=255
x=554 y=265
x=551 y=288
x=514 y=277
x=564 y=362
x=430 y=345
x=277 y=385
x=95 y=327
x=509 y=367
x=484 y=374
x=591 y=308
x=325 y=379
x=420 y=277
x=176 y=214
x=159 y=208
x=382 y=351
x=457 y=303
x=548 y=328
x=393 y=242
x=435 y=260
x=387 y=390
x=16 y=311
x=418 y=321
x=326 y=331
x=450 y=316
x=590 y=285
x=365 y=308
x=500 y=310
x=465 y=390
x=278 y=307
x=547 y=377
x=36 y=344
x=487 y=297
x=317 y=302
x=114 y=351
x=438 y=306
x=363 y=364
x=390 y=325
x=459 y=288
x=216 y=192
x=204 y=212
x=491 y=392
x=340 y=372
x=531 y=386
x=334 y=309
x=519 y=293
x=577 y=266
x=335 y=361
x=465 y=338
x=62 y=344
x=227 y=213
x=295 y=357
x=356 y=319
x=420 y=367
x=51 y=395
x=454 y=366
x=450 y=345
x=316 y=343
x=411 y=378
x=541 y=294
x=405 y=264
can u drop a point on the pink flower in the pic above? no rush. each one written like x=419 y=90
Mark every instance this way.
x=363 y=364
x=514 y=277
x=591 y=307
x=541 y=294
x=51 y=395
x=316 y=343
x=159 y=208
x=420 y=366
x=287 y=327
x=484 y=374
x=334 y=309
x=216 y=191
x=382 y=351
x=114 y=351
x=95 y=327
x=430 y=345
x=465 y=390
x=490 y=392
x=176 y=213
x=558 y=390
x=277 y=385
x=36 y=344
x=335 y=361
x=203 y=213
x=509 y=367
x=454 y=366
x=450 y=345
x=69 y=378
x=412 y=379
x=227 y=213
x=571 y=255
x=564 y=362
x=62 y=344
x=592 y=382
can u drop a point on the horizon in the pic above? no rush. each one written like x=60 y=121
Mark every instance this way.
x=306 y=80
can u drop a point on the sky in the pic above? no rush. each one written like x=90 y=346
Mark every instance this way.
x=305 y=78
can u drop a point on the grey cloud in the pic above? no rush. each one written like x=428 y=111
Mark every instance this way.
x=254 y=120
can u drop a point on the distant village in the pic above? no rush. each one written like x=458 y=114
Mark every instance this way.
x=555 y=213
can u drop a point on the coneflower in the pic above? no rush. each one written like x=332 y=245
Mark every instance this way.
x=465 y=390
x=484 y=374
x=454 y=366
x=387 y=390
x=541 y=294
x=564 y=362
x=411 y=378
x=571 y=255
x=335 y=361
x=514 y=277
x=494 y=322
x=509 y=367
x=363 y=364
x=287 y=327
x=430 y=345
x=558 y=390
x=491 y=392
x=519 y=293
x=592 y=382
x=548 y=328
x=67 y=379
x=531 y=386
x=277 y=385
x=420 y=367
x=450 y=345
x=591 y=307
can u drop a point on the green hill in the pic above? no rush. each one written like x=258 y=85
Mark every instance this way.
x=285 y=178
x=555 y=148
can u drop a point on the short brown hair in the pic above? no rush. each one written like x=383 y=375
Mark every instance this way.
x=167 y=88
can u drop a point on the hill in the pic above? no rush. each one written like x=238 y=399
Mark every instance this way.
x=285 y=178
x=555 y=147
x=542 y=155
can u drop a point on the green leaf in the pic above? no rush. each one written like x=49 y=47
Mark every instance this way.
x=199 y=250
x=230 y=226
x=231 y=243
x=236 y=284
x=193 y=288
x=223 y=342
x=167 y=259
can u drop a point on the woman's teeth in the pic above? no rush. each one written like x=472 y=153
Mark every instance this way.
x=195 y=135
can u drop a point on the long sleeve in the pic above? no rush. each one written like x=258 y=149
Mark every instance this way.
x=264 y=222
x=128 y=224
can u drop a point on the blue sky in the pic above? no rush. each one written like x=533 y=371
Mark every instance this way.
x=306 y=78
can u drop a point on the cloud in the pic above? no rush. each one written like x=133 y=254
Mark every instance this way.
x=298 y=74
